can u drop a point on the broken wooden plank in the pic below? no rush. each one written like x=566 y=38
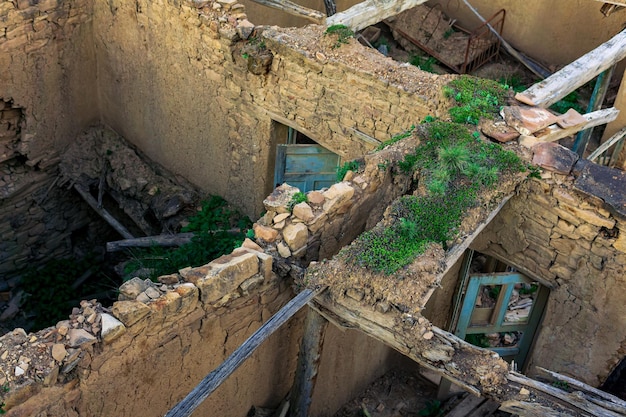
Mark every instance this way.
x=554 y=132
x=308 y=363
x=469 y=404
x=178 y=239
x=582 y=386
x=294 y=9
x=533 y=409
x=606 y=145
x=595 y=103
x=370 y=12
x=561 y=83
x=214 y=379
x=103 y=212
x=575 y=399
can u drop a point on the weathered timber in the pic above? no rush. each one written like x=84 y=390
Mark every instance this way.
x=532 y=409
x=294 y=9
x=453 y=358
x=331 y=7
x=561 y=83
x=618 y=402
x=370 y=12
x=158 y=240
x=606 y=145
x=554 y=132
x=595 y=103
x=103 y=212
x=308 y=363
x=574 y=399
x=408 y=341
x=214 y=379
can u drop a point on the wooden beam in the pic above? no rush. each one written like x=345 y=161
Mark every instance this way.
x=370 y=12
x=554 y=132
x=308 y=363
x=214 y=379
x=159 y=240
x=606 y=145
x=294 y=9
x=574 y=75
x=102 y=212
x=575 y=398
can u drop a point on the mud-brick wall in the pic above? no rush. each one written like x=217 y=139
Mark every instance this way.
x=151 y=348
x=573 y=243
x=47 y=94
x=173 y=79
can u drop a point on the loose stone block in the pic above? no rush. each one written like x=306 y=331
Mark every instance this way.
x=130 y=312
x=80 y=338
x=268 y=234
x=226 y=274
x=112 y=328
x=303 y=211
x=296 y=236
x=338 y=198
x=132 y=288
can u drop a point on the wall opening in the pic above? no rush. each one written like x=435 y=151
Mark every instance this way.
x=498 y=307
x=301 y=162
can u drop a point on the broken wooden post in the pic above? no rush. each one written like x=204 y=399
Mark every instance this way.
x=370 y=12
x=102 y=212
x=331 y=7
x=308 y=363
x=214 y=379
x=159 y=240
x=294 y=9
x=574 y=75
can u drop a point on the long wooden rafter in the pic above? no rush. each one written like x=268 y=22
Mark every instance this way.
x=294 y=9
x=561 y=83
x=370 y=12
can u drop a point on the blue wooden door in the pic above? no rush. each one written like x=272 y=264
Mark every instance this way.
x=502 y=311
x=308 y=167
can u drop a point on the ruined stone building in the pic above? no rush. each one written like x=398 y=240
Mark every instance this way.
x=221 y=94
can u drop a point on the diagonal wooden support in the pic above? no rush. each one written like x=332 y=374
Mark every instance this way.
x=214 y=379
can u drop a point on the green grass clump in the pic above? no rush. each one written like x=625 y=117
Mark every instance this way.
x=407 y=133
x=455 y=166
x=211 y=240
x=425 y=64
x=475 y=98
x=342 y=32
x=347 y=166
x=570 y=101
x=297 y=198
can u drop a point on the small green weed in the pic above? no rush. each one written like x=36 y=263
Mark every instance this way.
x=534 y=172
x=478 y=339
x=570 y=101
x=562 y=385
x=297 y=198
x=429 y=119
x=347 y=166
x=475 y=97
x=2 y=410
x=250 y=234
x=211 y=240
x=448 y=33
x=513 y=82
x=425 y=64
x=407 y=133
x=342 y=32
x=432 y=409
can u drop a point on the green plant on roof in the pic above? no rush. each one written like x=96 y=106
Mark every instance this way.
x=455 y=166
x=342 y=33
x=347 y=166
x=475 y=98
x=425 y=64
x=407 y=133
x=212 y=238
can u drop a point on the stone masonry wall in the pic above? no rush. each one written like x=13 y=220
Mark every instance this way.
x=174 y=79
x=573 y=243
x=149 y=349
x=47 y=94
